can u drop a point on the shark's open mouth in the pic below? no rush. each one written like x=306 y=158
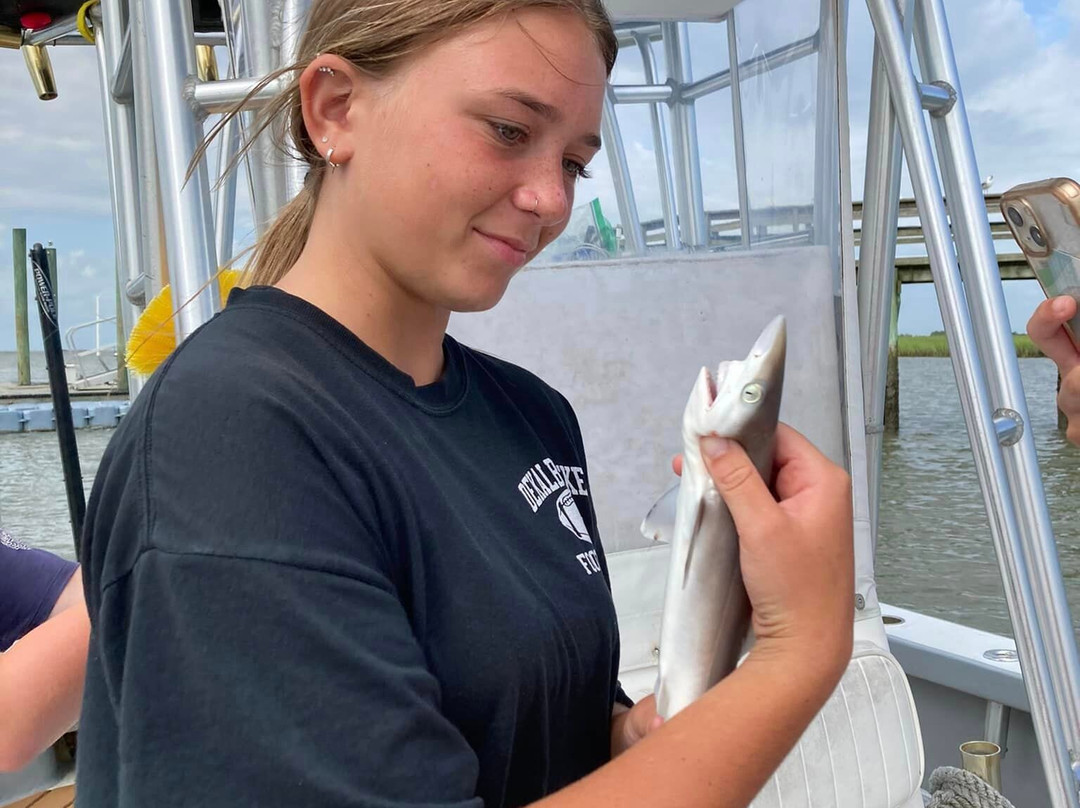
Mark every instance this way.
x=716 y=382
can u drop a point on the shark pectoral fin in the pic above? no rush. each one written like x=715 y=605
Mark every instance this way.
x=693 y=541
x=659 y=523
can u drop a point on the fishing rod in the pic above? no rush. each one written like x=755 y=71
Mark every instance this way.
x=54 y=360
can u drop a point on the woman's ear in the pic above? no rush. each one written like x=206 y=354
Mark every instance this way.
x=329 y=86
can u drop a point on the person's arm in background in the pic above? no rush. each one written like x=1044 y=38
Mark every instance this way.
x=1046 y=330
x=41 y=683
x=71 y=596
x=44 y=634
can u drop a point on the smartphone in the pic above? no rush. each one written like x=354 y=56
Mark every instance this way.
x=1044 y=218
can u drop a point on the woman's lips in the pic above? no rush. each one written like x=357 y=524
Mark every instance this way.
x=510 y=251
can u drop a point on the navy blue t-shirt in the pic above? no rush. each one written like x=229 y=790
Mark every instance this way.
x=312 y=583
x=30 y=583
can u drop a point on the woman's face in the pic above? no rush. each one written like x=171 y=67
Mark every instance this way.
x=463 y=163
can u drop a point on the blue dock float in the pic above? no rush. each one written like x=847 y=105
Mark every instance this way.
x=39 y=417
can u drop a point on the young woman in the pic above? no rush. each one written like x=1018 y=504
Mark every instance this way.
x=311 y=575
x=44 y=631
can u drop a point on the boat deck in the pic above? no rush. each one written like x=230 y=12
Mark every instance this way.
x=58 y=798
x=13 y=393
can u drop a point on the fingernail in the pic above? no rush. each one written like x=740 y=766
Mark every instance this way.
x=1060 y=306
x=657 y=721
x=713 y=447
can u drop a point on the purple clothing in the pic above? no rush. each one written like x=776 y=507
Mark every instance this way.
x=30 y=583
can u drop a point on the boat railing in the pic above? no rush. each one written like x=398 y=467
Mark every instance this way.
x=92 y=366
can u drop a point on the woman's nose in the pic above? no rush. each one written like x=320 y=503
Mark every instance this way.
x=546 y=195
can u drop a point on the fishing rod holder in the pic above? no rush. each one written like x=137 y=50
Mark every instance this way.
x=39 y=65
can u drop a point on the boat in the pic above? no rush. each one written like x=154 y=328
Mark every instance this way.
x=917 y=687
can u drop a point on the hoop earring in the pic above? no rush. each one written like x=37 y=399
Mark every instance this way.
x=330 y=162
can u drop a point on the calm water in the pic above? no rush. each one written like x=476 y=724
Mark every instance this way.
x=39 y=374
x=934 y=552
x=934 y=548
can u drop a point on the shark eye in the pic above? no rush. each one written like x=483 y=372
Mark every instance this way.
x=752 y=393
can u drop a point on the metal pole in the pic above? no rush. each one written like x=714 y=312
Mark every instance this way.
x=122 y=164
x=265 y=165
x=737 y=126
x=660 y=142
x=121 y=86
x=620 y=175
x=55 y=30
x=692 y=224
x=225 y=194
x=642 y=93
x=188 y=223
x=218 y=97
x=978 y=263
x=825 y=223
x=877 y=260
x=22 y=318
x=852 y=402
x=294 y=14
x=975 y=403
x=233 y=30
x=153 y=270
x=755 y=66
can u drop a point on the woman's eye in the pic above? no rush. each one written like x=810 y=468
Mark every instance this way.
x=508 y=133
x=577 y=170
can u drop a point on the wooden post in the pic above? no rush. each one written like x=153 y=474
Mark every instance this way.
x=22 y=322
x=121 y=363
x=892 y=373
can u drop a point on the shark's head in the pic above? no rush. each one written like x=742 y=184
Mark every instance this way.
x=742 y=401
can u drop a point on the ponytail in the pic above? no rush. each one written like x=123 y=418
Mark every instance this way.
x=283 y=241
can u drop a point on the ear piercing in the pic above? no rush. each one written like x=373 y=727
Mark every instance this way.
x=330 y=161
x=327 y=70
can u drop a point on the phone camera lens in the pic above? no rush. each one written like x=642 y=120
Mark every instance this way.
x=1015 y=216
x=1037 y=236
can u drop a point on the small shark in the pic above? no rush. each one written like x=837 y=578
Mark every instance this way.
x=706 y=611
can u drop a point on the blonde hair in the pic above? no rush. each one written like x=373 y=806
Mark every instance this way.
x=375 y=36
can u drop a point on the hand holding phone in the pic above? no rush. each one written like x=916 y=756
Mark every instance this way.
x=1044 y=218
x=1047 y=330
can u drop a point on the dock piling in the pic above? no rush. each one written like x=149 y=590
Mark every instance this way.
x=22 y=322
x=892 y=372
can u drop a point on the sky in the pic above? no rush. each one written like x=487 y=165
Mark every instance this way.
x=1018 y=60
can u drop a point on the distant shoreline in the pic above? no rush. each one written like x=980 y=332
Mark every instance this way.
x=936 y=345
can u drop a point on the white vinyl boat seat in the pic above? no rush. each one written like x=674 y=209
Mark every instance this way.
x=624 y=341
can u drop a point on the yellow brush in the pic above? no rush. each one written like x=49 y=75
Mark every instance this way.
x=154 y=336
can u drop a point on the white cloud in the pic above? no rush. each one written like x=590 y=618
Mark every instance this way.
x=61 y=165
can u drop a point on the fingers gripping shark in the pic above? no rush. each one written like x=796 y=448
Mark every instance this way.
x=706 y=611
